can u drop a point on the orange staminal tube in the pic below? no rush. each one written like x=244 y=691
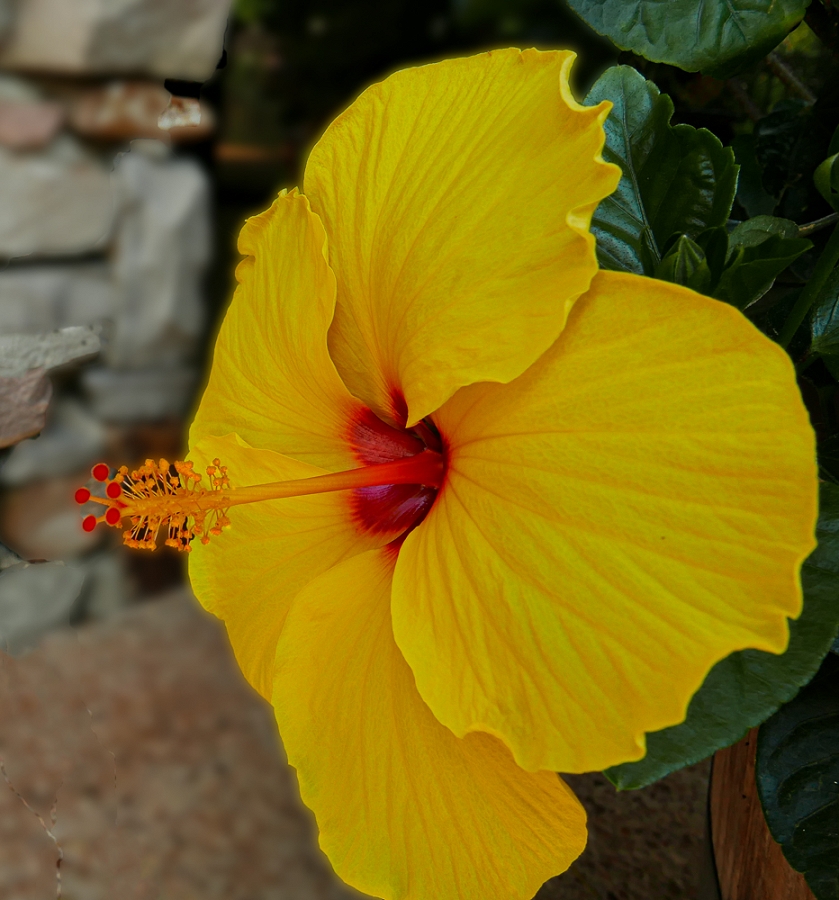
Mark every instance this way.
x=160 y=495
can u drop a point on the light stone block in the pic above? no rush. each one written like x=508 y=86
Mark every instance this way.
x=21 y=352
x=35 y=599
x=42 y=298
x=58 y=201
x=140 y=395
x=164 y=38
x=72 y=441
x=161 y=249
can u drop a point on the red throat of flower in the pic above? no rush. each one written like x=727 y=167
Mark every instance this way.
x=391 y=492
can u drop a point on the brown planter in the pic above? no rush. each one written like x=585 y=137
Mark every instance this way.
x=750 y=865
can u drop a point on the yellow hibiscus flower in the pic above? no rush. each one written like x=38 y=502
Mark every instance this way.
x=555 y=497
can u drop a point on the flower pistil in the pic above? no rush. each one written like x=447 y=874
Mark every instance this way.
x=160 y=495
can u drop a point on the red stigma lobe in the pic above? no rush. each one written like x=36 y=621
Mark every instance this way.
x=82 y=495
x=100 y=472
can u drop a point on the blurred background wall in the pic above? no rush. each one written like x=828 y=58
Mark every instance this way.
x=105 y=222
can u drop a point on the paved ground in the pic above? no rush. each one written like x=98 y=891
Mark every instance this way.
x=137 y=746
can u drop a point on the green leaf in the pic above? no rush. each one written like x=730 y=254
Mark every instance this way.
x=755 y=231
x=824 y=325
x=832 y=363
x=676 y=179
x=718 y=37
x=828 y=456
x=743 y=689
x=797 y=774
x=685 y=264
x=714 y=243
x=759 y=250
x=826 y=176
x=826 y=179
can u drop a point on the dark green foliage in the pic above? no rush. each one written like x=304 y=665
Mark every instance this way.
x=719 y=37
x=826 y=176
x=797 y=771
x=738 y=268
x=824 y=324
x=676 y=179
x=755 y=231
x=668 y=214
x=751 y=194
x=828 y=454
x=777 y=137
x=714 y=244
x=789 y=143
x=759 y=250
x=685 y=263
x=746 y=687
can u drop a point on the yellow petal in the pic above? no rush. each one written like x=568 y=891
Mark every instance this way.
x=457 y=198
x=631 y=510
x=405 y=809
x=248 y=575
x=272 y=380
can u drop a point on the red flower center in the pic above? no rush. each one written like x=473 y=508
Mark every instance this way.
x=391 y=508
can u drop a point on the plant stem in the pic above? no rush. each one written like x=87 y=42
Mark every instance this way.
x=788 y=76
x=817 y=225
x=824 y=266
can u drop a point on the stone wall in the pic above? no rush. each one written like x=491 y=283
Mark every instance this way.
x=163 y=38
x=104 y=223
